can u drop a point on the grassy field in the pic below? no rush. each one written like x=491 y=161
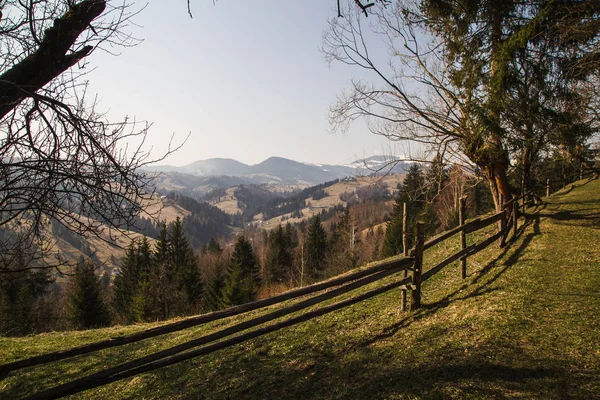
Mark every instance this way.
x=524 y=324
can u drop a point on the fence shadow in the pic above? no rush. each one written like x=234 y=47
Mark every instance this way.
x=430 y=309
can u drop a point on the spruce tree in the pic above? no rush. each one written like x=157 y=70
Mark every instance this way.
x=185 y=268
x=85 y=300
x=163 y=273
x=19 y=290
x=242 y=281
x=125 y=284
x=413 y=194
x=279 y=259
x=144 y=303
x=214 y=282
x=316 y=248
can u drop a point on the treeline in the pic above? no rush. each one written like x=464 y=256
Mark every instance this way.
x=205 y=220
x=254 y=200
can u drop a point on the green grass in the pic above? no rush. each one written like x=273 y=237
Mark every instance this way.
x=524 y=324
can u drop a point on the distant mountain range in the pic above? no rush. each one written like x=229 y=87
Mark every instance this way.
x=204 y=175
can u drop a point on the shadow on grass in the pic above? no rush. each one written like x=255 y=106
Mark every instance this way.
x=379 y=375
x=484 y=288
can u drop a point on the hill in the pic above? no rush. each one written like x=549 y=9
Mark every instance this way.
x=522 y=325
x=199 y=177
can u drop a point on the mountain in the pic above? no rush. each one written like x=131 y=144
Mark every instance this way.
x=203 y=175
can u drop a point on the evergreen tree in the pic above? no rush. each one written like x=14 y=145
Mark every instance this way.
x=214 y=282
x=412 y=193
x=242 y=281
x=343 y=251
x=279 y=259
x=316 y=248
x=162 y=274
x=185 y=268
x=144 y=304
x=86 y=303
x=19 y=290
x=125 y=284
x=214 y=247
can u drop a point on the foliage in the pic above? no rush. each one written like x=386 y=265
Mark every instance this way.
x=86 y=304
x=316 y=248
x=241 y=283
x=19 y=293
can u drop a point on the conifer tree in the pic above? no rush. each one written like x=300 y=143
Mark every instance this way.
x=185 y=268
x=279 y=259
x=163 y=272
x=144 y=303
x=18 y=293
x=125 y=284
x=412 y=193
x=316 y=248
x=214 y=282
x=242 y=281
x=86 y=303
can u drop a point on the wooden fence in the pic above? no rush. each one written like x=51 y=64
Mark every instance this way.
x=410 y=264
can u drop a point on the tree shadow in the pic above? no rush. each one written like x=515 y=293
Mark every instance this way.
x=429 y=309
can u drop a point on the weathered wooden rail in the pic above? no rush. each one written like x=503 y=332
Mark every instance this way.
x=412 y=263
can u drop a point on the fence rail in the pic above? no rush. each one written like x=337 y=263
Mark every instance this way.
x=412 y=262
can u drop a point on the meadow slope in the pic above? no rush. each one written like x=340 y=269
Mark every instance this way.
x=524 y=324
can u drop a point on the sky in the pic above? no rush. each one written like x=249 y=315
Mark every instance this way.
x=246 y=80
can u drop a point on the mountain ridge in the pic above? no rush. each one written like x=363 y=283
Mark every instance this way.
x=277 y=170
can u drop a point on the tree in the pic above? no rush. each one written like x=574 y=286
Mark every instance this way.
x=18 y=294
x=316 y=248
x=186 y=275
x=163 y=272
x=448 y=81
x=86 y=303
x=279 y=259
x=413 y=194
x=242 y=280
x=61 y=158
x=125 y=284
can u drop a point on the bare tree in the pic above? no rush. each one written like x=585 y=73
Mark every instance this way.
x=60 y=158
x=444 y=79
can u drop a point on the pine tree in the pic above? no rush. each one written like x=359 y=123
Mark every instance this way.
x=412 y=193
x=86 y=303
x=214 y=282
x=316 y=248
x=125 y=284
x=392 y=243
x=279 y=259
x=242 y=281
x=18 y=293
x=185 y=268
x=163 y=273
x=144 y=303
x=214 y=247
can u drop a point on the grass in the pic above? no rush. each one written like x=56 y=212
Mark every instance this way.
x=524 y=324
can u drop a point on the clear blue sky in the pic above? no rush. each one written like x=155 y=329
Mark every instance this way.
x=245 y=79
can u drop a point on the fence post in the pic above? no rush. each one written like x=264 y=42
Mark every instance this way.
x=405 y=251
x=548 y=187
x=418 y=266
x=463 y=236
x=502 y=221
x=515 y=216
